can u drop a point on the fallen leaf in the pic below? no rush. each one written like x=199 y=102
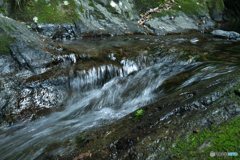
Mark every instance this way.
x=83 y=155
x=149 y=16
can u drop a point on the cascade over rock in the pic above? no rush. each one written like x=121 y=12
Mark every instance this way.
x=68 y=67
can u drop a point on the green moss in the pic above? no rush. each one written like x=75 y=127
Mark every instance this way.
x=224 y=138
x=13 y=27
x=165 y=13
x=81 y=141
x=143 y=5
x=97 y=14
x=8 y=27
x=190 y=6
x=53 y=11
x=5 y=42
x=219 y=4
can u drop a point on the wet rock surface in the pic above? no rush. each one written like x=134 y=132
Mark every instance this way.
x=29 y=57
x=23 y=57
x=163 y=121
x=226 y=34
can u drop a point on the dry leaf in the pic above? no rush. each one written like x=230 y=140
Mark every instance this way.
x=83 y=155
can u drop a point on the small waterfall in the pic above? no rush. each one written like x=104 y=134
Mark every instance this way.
x=98 y=76
x=94 y=77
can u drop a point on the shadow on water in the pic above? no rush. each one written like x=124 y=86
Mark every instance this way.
x=107 y=92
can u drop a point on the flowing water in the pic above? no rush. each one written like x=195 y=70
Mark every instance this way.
x=105 y=93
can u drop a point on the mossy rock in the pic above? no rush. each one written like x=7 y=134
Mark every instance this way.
x=216 y=8
x=54 y=11
x=6 y=40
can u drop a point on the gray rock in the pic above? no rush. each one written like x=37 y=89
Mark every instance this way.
x=18 y=30
x=29 y=57
x=227 y=34
x=7 y=65
x=34 y=26
x=237 y=110
x=178 y=24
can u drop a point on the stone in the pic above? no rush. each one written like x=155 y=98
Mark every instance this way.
x=227 y=34
x=29 y=57
x=216 y=9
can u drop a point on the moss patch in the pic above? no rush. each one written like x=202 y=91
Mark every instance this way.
x=224 y=138
x=191 y=6
x=5 y=42
x=165 y=13
x=53 y=11
x=144 y=5
x=219 y=4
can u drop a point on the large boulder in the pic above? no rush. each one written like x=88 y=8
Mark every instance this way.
x=23 y=45
x=226 y=34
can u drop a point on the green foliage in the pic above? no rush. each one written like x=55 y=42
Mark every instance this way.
x=139 y=113
x=5 y=42
x=224 y=138
x=190 y=6
x=54 y=11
